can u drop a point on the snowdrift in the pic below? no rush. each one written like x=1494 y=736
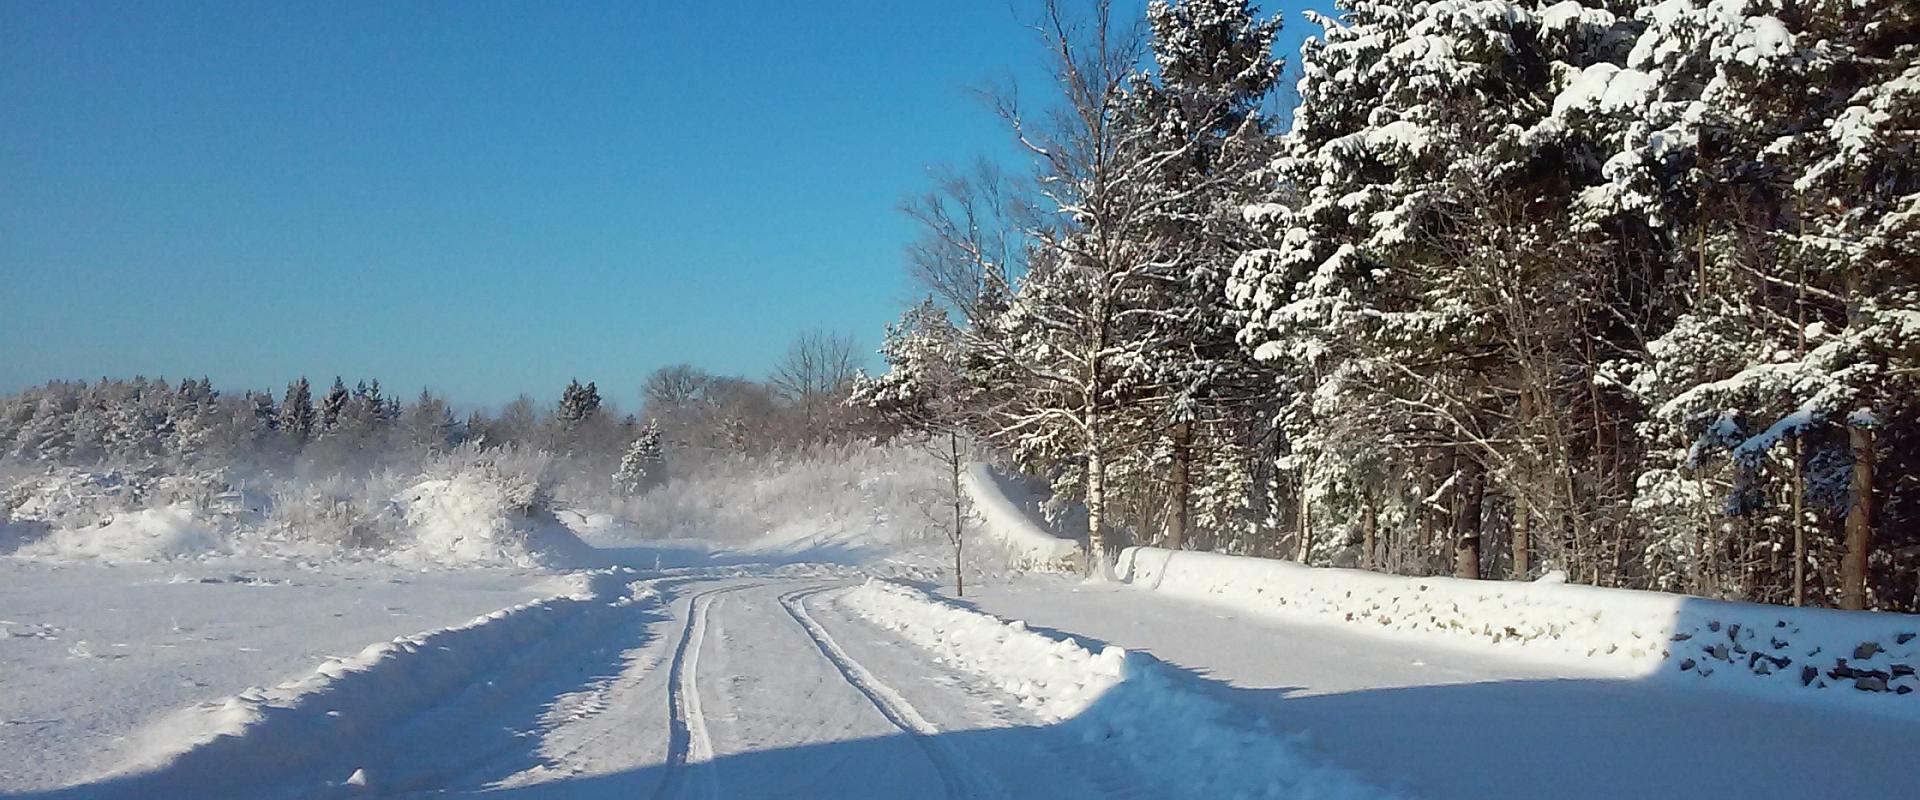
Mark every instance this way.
x=1855 y=658
x=153 y=534
x=1028 y=545
x=1112 y=704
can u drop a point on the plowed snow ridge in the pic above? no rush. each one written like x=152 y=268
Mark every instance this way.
x=1122 y=702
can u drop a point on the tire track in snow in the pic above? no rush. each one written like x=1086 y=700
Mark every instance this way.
x=957 y=779
x=688 y=743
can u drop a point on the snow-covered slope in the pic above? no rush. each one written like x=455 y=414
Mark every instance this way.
x=1027 y=544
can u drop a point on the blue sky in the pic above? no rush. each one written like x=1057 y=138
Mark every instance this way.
x=482 y=198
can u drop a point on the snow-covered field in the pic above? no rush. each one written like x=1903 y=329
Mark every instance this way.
x=592 y=658
x=92 y=657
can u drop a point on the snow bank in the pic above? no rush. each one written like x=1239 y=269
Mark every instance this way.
x=222 y=747
x=1862 y=659
x=154 y=534
x=1124 y=705
x=1028 y=545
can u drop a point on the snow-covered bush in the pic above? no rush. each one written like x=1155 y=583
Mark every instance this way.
x=353 y=514
x=485 y=507
x=153 y=534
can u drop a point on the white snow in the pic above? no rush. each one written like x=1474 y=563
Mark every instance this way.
x=1475 y=722
x=91 y=655
x=1604 y=88
x=1122 y=702
x=153 y=534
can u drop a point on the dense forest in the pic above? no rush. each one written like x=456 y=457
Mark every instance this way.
x=1628 y=291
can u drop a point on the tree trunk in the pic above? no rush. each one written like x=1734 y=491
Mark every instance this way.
x=1182 y=489
x=1522 y=540
x=959 y=576
x=1466 y=549
x=1426 y=514
x=1369 y=536
x=1306 y=524
x=1096 y=492
x=1799 y=529
x=1853 y=566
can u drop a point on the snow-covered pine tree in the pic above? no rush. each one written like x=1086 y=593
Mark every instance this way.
x=577 y=403
x=1787 y=131
x=297 y=414
x=1421 y=278
x=644 y=466
x=334 y=405
x=926 y=391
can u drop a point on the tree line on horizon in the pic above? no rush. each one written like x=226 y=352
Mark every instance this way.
x=688 y=417
x=1627 y=290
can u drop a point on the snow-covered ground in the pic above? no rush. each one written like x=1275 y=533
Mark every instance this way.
x=768 y=661
x=92 y=655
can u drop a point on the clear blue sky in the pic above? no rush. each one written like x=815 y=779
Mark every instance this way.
x=485 y=198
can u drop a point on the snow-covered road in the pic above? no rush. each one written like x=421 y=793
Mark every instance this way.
x=754 y=686
x=699 y=686
x=808 y=681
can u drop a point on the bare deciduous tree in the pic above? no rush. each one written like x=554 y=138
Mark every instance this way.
x=815 y=375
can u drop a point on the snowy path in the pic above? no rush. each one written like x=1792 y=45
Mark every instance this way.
x=697 y=686
x=753 y=688
x=1441 y=722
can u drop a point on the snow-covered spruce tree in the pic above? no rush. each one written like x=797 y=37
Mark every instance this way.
x=266 y=415
x=577 y=403
x=333 y=406
x=428 y=426
x=1202 y=106
x=197 y=422
x=296 y=413
x=644 y=466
